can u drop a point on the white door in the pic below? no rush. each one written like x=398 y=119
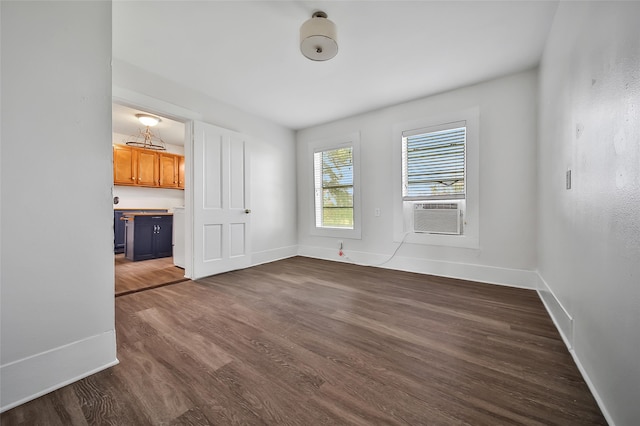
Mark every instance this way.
x=220 y=197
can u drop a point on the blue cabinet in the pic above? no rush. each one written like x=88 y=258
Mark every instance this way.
x=118 y=226
x=118 y=232
x=148 y=236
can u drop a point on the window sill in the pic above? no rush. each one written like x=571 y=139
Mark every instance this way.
x=461 y=241
x=353 y=234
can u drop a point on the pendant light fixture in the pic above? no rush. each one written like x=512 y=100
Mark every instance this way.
x=146 y=139
x=318 y=38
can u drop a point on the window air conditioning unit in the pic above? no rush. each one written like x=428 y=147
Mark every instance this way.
x=437 y=218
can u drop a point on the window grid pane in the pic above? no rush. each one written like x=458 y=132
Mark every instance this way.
x=333 y=175
x=434 y=164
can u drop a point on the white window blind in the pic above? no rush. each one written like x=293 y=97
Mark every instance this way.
x=434 y=163
x=333 y=181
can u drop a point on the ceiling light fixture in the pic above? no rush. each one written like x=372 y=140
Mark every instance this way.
x=148 y=120
x=318 y=38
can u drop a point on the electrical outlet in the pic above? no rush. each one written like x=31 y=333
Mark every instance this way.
x=376 y=212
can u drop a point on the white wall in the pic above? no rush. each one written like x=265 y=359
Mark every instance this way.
x=134 y=197
x=57 y=277
x=507 y=253
x=272 y=153
x=589 y=245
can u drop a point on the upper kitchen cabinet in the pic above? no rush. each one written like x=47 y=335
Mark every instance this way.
x=169 y=170
x=181 y=172
x=143 y=167
x=124 y=165
x=148 y=168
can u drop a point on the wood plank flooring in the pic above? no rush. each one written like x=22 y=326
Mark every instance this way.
x=136 y=276
x=309 y=342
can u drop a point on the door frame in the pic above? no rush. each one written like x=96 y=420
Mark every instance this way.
x=152 y=105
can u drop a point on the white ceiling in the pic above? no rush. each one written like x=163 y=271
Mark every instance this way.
x=247 y=53
x=126 y=123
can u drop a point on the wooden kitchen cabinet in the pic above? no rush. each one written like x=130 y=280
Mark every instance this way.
x=143 y=167
x=181 y=172
x=133 y=166
x=148 y=168
x=169 y=166
x=124 y=165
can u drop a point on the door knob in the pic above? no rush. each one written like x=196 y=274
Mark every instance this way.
x=247 y=211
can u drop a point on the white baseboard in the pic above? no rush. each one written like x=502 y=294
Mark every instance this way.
x=465 y=271
x=34 y=376
x=559 y=315
x=267 y=256
x=565 y=324
x=592 y=388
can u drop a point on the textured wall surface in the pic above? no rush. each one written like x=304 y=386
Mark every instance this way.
x=589 y=244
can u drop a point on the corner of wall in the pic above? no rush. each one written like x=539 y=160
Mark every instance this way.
x=268 y=256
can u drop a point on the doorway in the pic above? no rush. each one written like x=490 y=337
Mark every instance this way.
x=149 y=184
x=217 y=236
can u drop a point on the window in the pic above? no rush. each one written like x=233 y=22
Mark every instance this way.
x=334 y=186
x=436 y=169
x=433 y=163
x=333 y=183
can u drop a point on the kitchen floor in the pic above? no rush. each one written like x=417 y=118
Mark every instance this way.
x=132 y=276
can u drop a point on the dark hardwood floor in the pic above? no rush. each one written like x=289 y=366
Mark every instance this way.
x=136 y=276
x=310 y=342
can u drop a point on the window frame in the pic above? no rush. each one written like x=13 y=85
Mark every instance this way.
x=351 y=140
x=470 y=205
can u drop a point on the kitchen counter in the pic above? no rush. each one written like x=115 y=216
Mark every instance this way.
x=133 y=215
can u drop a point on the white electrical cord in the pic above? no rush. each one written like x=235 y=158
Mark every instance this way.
x=344 y=255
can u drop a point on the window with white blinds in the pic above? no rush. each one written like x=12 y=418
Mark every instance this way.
x=433 y=163
x=333 y=182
